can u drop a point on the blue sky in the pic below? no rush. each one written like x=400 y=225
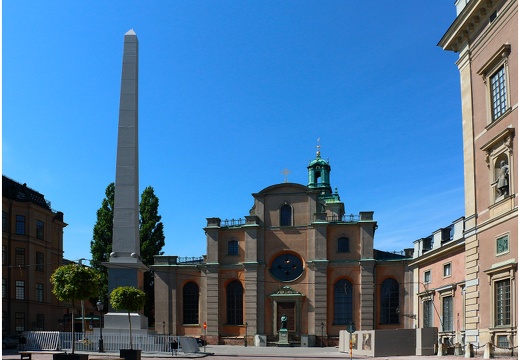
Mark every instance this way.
x=230 y=94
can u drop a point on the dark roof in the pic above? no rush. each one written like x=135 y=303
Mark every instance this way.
x=20 y=192
x=385 y=255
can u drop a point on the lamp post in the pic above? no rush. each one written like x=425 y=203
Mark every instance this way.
x=322 y=325
x=99 y=305
x=245 y=337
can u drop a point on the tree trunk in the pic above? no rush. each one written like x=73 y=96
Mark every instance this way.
x=73 y=326
x=130 y=327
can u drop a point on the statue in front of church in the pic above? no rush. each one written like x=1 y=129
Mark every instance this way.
x=502 y=183
x=283 y=319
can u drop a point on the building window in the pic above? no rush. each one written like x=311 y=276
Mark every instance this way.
x=190 y=303
x=343 y=245
x=447 y=234
x=232 y=247
x=39 y=292
x=428 y=313
x=427 y=243
x=234 y=304
x=19 y=322
x=503 y=341
x=502 y=302
x=342 y=302
x=39 y=229
x=389 y=301
x=427 y=277
x=502 y=245
x=4 y=221
x=20 y=225
x=446 y=270
x=20 y=290
x=40 y=259
x=4 y=255
x=285 y=215
x=4 y=288
x=498 y=93
x=19 y=258
x=447 y=313
x=40 y=320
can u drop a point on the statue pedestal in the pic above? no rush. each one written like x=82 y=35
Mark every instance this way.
x=283 y=338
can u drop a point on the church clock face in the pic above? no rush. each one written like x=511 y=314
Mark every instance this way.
x=287 y=267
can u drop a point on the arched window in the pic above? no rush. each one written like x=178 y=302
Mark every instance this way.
x=190 y=303
x=343 y=245
x=285 y=215
x=234 y=305
x=342 y=302
x=389 y=302
x=232 y=247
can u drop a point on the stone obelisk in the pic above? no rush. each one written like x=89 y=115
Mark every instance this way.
x=124 y=266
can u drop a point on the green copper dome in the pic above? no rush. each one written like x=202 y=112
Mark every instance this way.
x=319 y=174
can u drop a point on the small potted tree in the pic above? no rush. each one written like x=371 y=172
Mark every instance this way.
x=130 y=299
x=74 y=282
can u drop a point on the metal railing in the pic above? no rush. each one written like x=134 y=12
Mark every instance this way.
x=112 y=342
x=344 y=218
x=232 y=222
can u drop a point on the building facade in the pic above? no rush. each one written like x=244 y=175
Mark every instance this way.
x=32 y=248
x=485 y=35
x=297 y=253
x=439 y=282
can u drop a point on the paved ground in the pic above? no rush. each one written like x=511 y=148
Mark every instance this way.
x=221 y=352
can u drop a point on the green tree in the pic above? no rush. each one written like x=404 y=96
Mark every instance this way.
x=101 y=245
x=151 y=232
x=74 y=282
x=127 y=298
x=152 y=241
x=151 y=229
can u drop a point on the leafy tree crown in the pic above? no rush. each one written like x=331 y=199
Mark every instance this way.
x=127 y=298
x=73 y=282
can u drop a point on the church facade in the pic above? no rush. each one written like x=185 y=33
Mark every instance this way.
x=297 y=253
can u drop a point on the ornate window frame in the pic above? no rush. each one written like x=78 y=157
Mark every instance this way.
x=499 y=59
x=447 y=292
x=505 y=271
x=424 y=297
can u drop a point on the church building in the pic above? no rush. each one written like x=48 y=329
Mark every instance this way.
x=297 y=253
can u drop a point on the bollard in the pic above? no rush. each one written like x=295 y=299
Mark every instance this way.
x=488 y=351
x=440 y=348
x=469 y=351
x=458 y=349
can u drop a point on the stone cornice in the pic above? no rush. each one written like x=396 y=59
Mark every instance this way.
x=465 y=24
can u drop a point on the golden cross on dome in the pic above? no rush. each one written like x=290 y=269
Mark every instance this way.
x=286 y=172
x=318 y=153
